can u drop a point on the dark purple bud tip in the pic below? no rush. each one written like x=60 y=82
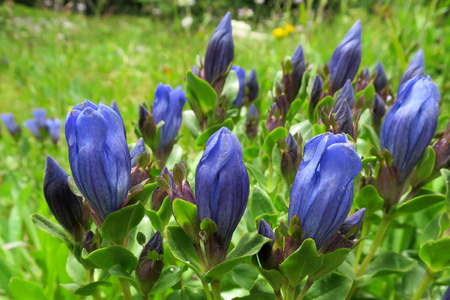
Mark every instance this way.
x=415 y=68
x=354 y=220
x=381 y=80
x=252 y=86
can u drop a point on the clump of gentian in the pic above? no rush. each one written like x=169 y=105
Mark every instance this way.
x=11 y=125
x=64 y=205
x=151 y=263
x=322 y=192
x=240 y=72
x=344 y=62
x=293 y=74
x=167 y=107
x=252 y=86
x=221 y=190
x=252 y=122
x=406 y=132
x=99 y=157
x=416 y=67
x=220 y=51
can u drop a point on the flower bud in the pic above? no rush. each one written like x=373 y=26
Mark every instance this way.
x=381 y=80
x=442 y=150
x=99 y=156
x=252 y=86
x=344 y=118
x=241 y=78
x=64 y=205
x=150 y=263
x=117 y=110
x=37 y=125
x=409 y=125
x=344 y=62
x=378 y=109
x=11 y=125
x=354 y=220
x=346 y=93
x=362 y=80
x=222 y=184
x=54 y=129
x=138 y=149
x=316 y=92
x=322 y=192
x=415 y=68
x=274 y=118
x=252 y=122
x=293 y=80
x=290 y=157
x=220 y=51
x=265 y=254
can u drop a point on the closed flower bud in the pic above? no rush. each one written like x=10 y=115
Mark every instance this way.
x=241 y=78
x=220 y=51
x=265 y=254
x=378 y=109
x=252 y=86
x=446 y=295
x=11 y=125
x=290 y=157
x=381 y=80
x=99 y=156
x=415 y=68
x=252 y=122
x=37 y=125
x=147 y=126
x=322 y=192
x=293 y=80
x=137 y=150
x=54 y=129
x=274 y=118
x=354 y=220
x=316 y=92
x=150 y=266
x=344 y=62
x=442 y=150
x=347 y=93
x=362 y=80
x=64 y=205
x=409 y=125
x=222 y=184
x=117 y=110
x=344 y=119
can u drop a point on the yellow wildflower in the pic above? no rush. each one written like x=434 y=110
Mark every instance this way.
x=279 y=32
x=289 y=28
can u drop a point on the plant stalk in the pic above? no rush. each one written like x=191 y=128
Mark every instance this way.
x=215 y=286
x=426 y=280
x=125 y=289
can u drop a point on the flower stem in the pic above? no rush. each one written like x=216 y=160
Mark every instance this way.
x=365 y=230
x=305 y=289
x=377 y=242
x=426 y=280
x=207 y=292
x=125 y=289
x=269 y=183
x=289 y=292
x=215 y=286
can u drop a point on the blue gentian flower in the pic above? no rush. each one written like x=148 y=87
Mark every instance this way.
x=137 y=150
x=222 y=183
x=415 y=68
x=220 y=51
x=409 y=125
x=322 y=192
x=381 y=80
x=37 y=125
x=344 y=62
x=98 y=155
x=168 y=107
x=241 y=77
x=10 y=124
x=117 y=110
x=347 y=93
x=344 y=118
x=316 y=92
x=33 y=126
x=54 y=129
x=252 y=86
x=64 y=205
x=40 y=115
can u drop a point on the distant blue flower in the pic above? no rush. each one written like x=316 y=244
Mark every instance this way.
x=344 y=62
x=409 y=125
x=37 y=125
x=98 y=155
x=10 y=124
x=322 y=192
x=54 y=129
x=252 y=86
x=241 y=77
x=33 y=126
x=220 y=51
x=222 y=183
x=381 y=80
x=168 y=107
x=40 y=115
x=64 y=205
x=415 y=68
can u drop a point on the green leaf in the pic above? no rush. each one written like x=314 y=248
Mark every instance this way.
x=248 y=245
x=416 y=204
x=119 y=272
x=105 y=258
x=436 y=254
x=203 y=138
x=294 y=109
x=302 y=262
x=332 y=287
x=244 y=276
x=274 y=277
x=118 y=224
x=390 y=262
x=328 y=100
x=165 y=212
x=273 y=138
x=231 y=87
x=261 y=290
x=147 y=190
x=181 y=247
x=186 y=216
x=368 y=197
x=190 y=293
x=191 y=122
x=425 y=167
x=373 y=136
x=331 y=261
x=250 y=153
x=84 y=290
x=201 y=92
x=257 y=174
x=260 y=203
x=51 y=228
x=169 y=277
x=22 y=289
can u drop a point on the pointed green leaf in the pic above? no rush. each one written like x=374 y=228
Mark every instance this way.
x=203 y=138
x=169 y=277
x=332 y=287
x=389 y=262
x=273 y=138
x=200 y=92
x=24 y=289
x=85 y=290
x=368 y=197
x=260 y=202
x=436 y=254
x=231 y=87
x=331 y=261
x=51 y=228
x=416 y=204
x=106 y=258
